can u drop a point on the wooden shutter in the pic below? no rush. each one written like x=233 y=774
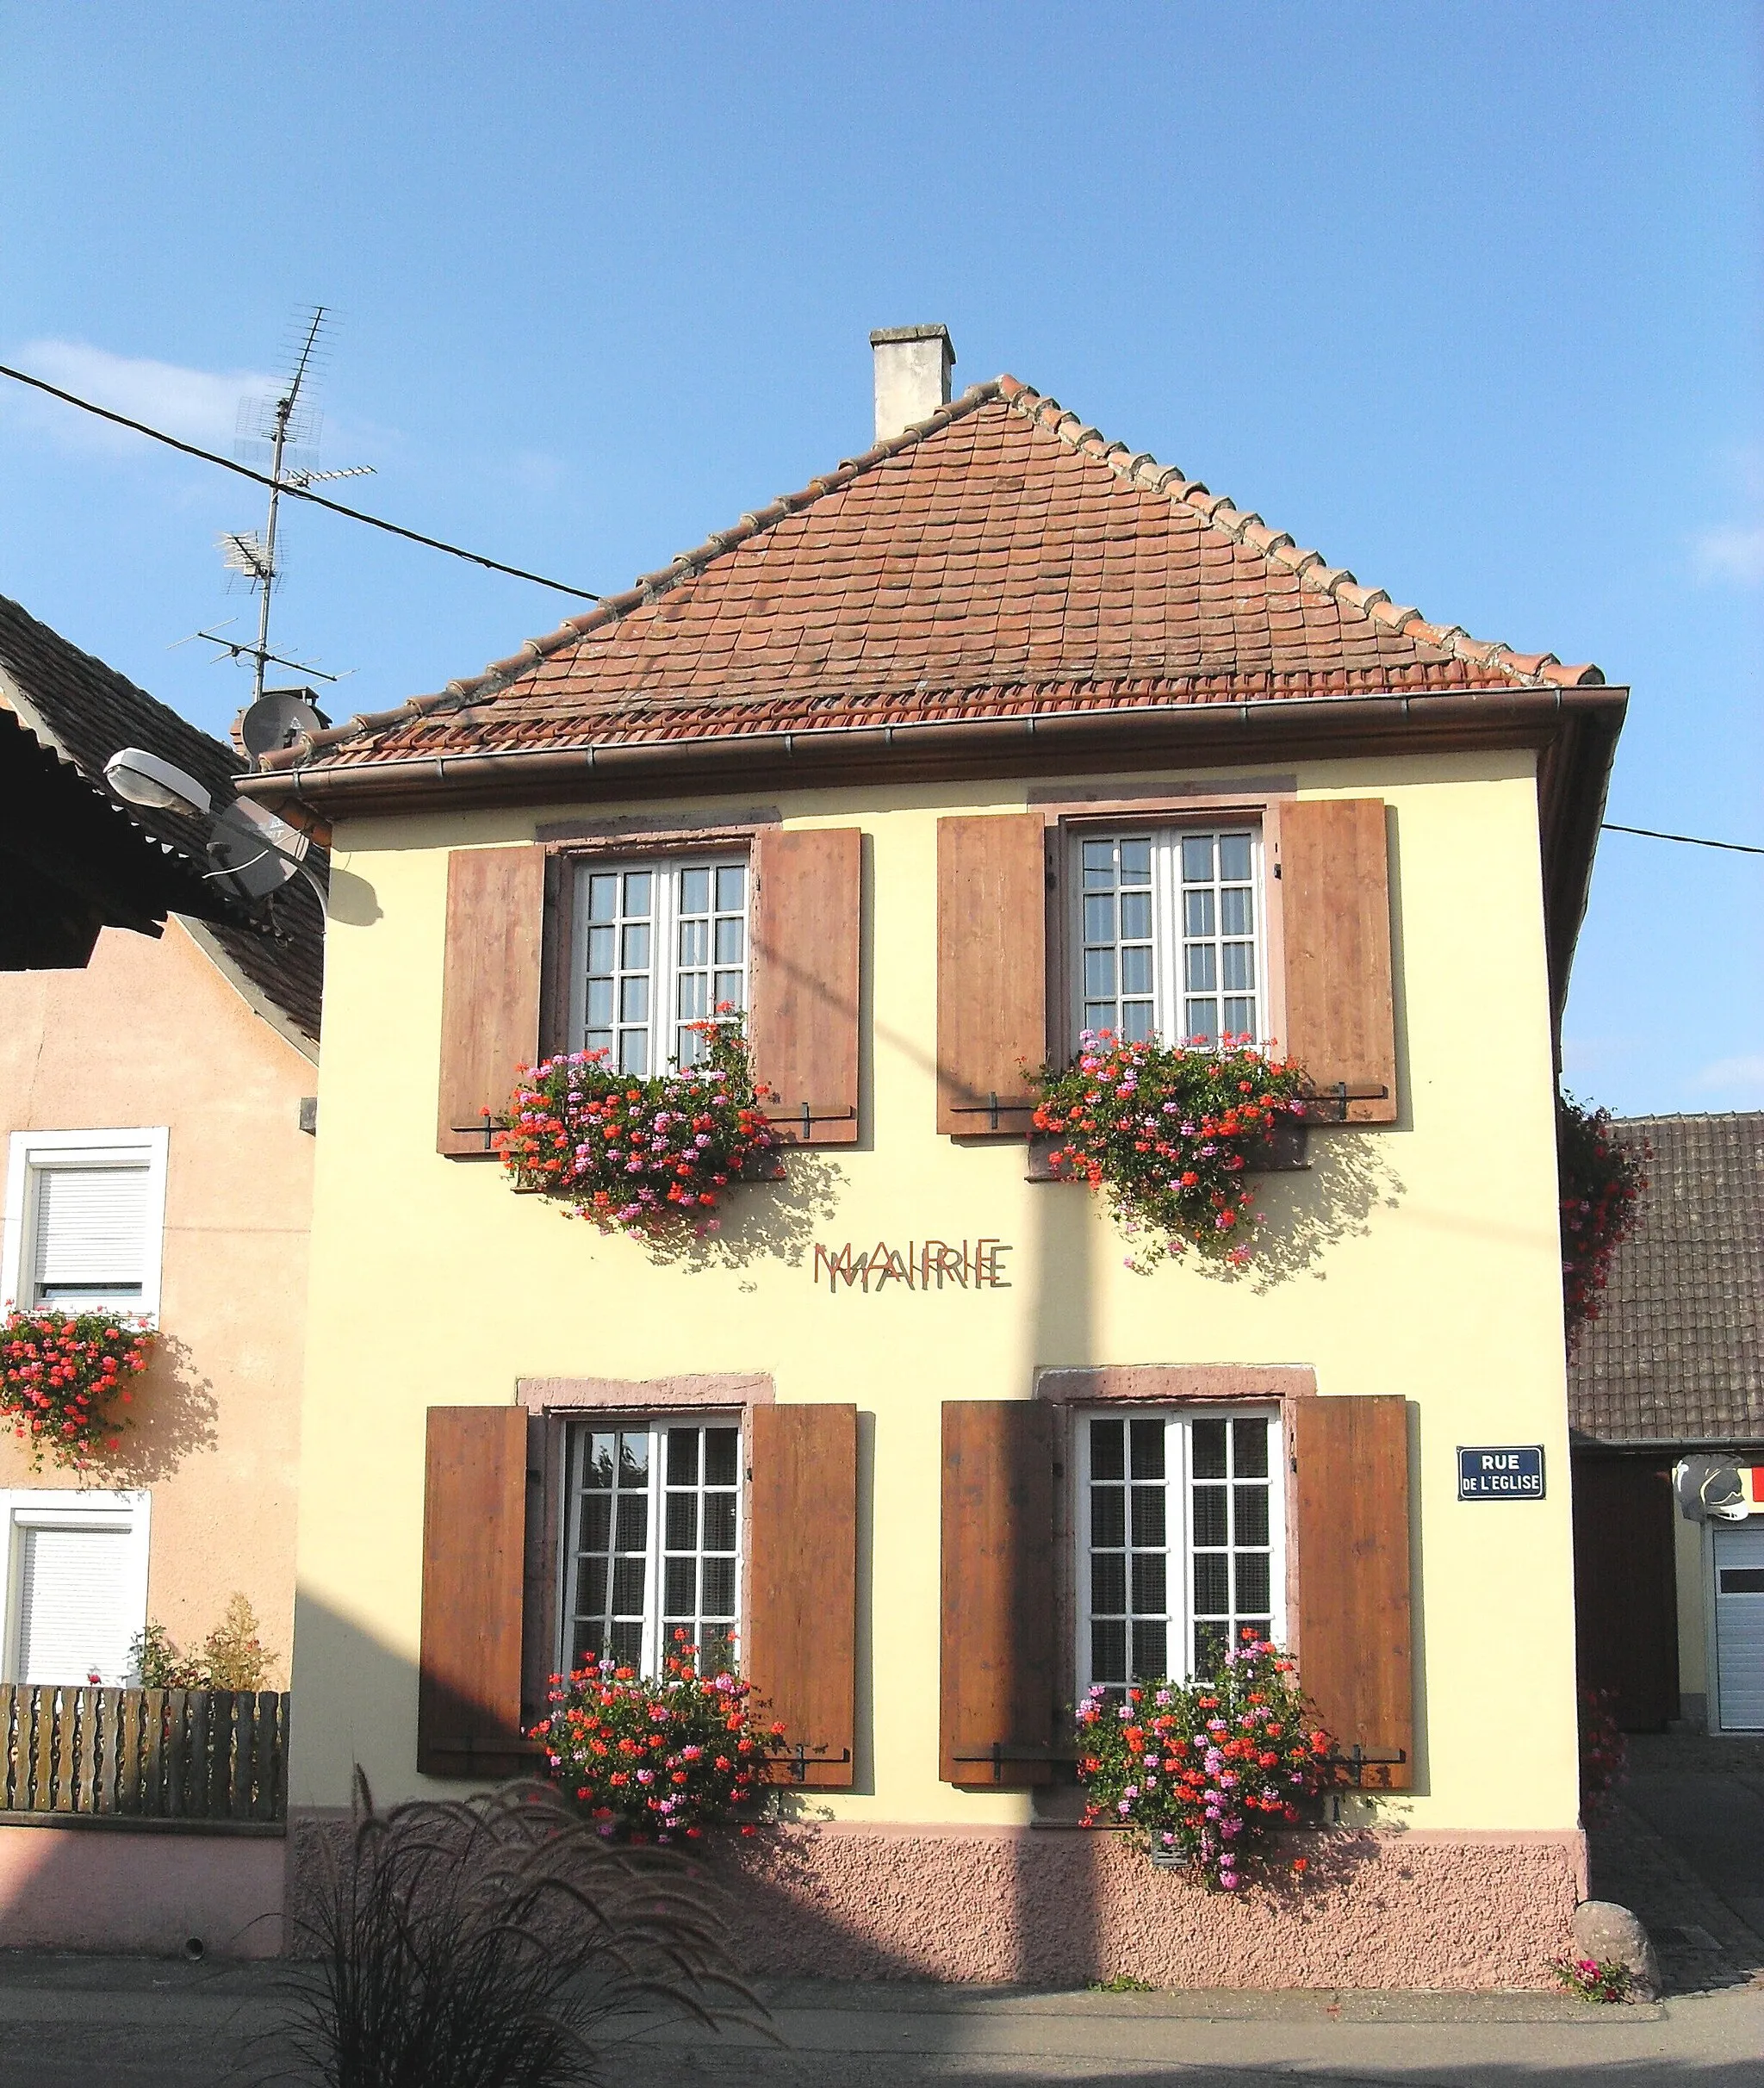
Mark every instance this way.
x=490 y=987
x=807 y=916
x=991 y=971
x=999 y=1669
x=800 y=1643
x=1352 y=1457
x=1333 y=865
x=474 y=1539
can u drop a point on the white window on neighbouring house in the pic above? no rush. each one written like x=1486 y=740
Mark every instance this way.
x=1166 y=928
x=658 y=945
x=652 y=1542
x=84 y=1216
x=76 y=1589
x=1180 y=1541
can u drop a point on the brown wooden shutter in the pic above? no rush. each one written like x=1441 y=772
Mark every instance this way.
x=490 y=987
x=1332 y=864
x=473 y=1541
x=1352 y=1456
x=800 y=1643
x=991 y=971
x=807 y=916
x=999 y=1667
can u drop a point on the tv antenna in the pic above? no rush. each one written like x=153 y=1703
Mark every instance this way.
x=288 y=424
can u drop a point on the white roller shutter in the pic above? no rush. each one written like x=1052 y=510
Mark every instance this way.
x=74 y=1617
x=1739 y=1628
x=90 y=1239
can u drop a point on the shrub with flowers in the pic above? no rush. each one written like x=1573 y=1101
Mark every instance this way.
x=658 y=1760
x=1604 y=1752
x=1168 y=1129
x=635 y=1154
x=1601 y=1182
x=59 y=1375
x=1209 y=1769
x=1593 y=1978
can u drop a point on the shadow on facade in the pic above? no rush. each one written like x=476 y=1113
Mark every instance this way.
x=174 y=1416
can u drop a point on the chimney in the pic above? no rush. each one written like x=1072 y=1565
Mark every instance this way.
x=912 y=376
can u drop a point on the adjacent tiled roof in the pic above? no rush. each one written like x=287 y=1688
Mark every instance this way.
x=85 y=710
x=1677 y=1352
x=997 y=558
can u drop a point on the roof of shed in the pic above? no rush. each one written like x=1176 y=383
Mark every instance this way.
x=84 y=711
x=997 y=558
x=1676 y=1354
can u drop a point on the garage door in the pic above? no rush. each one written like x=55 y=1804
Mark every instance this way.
x=1739 y=1628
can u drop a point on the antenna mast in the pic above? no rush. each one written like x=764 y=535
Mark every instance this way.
x=253 y=556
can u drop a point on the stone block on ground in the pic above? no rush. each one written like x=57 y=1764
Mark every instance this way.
x=1610 y=1933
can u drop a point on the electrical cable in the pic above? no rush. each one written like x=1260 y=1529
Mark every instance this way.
x=293 y=492
x=1695 y=841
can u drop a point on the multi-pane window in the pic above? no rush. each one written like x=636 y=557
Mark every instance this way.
x=1179 y=1542
x=1168 y=933
x=652 y=1542
x=658 y=945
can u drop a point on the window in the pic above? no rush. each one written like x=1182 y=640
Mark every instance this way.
x=658 y=945
x=652 y=1542
x=1180 y=1541
x=1167 y=928
x=76 y=1566
x=85 y=1215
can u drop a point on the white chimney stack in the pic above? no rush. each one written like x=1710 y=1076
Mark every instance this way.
x=912 y=376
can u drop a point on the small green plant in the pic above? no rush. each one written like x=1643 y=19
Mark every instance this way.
x=1122 y=1983
x=1591 y=1979
x=231 y=1656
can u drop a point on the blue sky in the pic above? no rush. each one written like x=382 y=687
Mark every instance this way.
x=1467 y=296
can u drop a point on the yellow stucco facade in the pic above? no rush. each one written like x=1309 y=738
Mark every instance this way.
x=1419 y=1258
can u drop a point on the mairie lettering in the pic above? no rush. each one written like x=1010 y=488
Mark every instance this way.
x=923 y=1264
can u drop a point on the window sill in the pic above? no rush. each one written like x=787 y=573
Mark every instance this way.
x=1284 y=1155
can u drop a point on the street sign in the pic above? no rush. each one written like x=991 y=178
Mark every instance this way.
x=1515 y=1473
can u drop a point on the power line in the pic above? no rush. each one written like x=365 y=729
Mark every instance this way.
x=294 y=492
x=1695 y=841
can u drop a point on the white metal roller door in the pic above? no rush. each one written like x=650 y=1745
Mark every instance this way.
x=1739 y=1627
x=74 y=1614
x=91 y=1235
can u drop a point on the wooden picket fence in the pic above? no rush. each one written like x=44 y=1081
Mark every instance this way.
x=211 y=1760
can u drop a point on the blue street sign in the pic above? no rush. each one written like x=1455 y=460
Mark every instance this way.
x=1515 y=1473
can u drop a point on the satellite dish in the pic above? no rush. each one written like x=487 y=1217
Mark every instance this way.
x=255 y=851
x=1709 y=1488
x=277 y=719
x=140 y=778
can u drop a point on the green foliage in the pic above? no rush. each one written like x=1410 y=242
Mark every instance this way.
x=1601 y=1182
x=1593 y=1978
x=231 y=1656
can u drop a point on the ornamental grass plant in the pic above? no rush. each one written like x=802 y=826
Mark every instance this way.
x=62 y=1377
x=657 y=1759
x=1209 y=1769
x=1167 y=1131
x=640 y=1153
x=493 y=1942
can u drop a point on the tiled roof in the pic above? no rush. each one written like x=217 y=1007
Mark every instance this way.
x=1676 y=1354
x=997 y=558
x=85 y=710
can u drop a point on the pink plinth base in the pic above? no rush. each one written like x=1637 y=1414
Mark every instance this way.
x=91 y=1888
x=1047 y=1907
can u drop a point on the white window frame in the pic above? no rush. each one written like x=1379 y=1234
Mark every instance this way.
x=1179 y=1482
x=23 y=1509
x=655 y=1645
x=1169 y=942
x=33 y=1151
x=664 y=1018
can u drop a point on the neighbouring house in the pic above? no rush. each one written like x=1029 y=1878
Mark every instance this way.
x=1671 y=1604
x=156 y=1100
x=998 y=731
